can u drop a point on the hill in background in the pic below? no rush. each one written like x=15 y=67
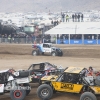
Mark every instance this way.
x=46 y=5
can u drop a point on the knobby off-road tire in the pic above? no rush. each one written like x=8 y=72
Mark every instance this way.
x=53 y=53
x=42 y=53
x=88 y=96
x=17 y=94
x=61 y=54
x=44 y=92
x=35 y=52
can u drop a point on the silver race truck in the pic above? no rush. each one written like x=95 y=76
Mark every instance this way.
x=46 y=48
x=15 y=82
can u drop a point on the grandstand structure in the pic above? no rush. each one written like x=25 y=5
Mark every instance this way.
x=76 y=33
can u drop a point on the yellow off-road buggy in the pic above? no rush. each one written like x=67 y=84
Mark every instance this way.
x=72 y=80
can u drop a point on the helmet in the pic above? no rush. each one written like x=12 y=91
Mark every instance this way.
x=90 y=68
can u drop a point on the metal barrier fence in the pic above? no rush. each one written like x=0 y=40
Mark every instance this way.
x=53 y=41
x=26 y=40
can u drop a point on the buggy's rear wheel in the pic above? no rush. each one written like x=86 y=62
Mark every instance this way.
x=17 y=94
x=88 y=96
x=53 y=54
x=35 y=53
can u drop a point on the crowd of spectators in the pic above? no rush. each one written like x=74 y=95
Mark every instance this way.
x=91 y=36
x=63 y=36
x=72 y=36
x=79 y=36
x=17 y=38
x=47 y=38
x=77 y=17
x=55 y=22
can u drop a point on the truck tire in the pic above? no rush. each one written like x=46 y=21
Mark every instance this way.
x=61 y=54
x=42 y=53
x=28 y=87
x=44 y=92
x=35 y=53
x=53 y=54
x=17 y=94
x=88 y=96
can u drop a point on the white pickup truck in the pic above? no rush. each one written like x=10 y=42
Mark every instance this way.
x=46 y=48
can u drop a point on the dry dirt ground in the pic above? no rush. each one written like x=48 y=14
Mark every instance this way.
x=18 y=56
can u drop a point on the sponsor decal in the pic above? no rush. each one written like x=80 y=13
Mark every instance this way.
x=67 y=86
x=90 y=41
x=76 y=41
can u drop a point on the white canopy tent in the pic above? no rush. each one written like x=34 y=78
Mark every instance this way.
x=76 y=28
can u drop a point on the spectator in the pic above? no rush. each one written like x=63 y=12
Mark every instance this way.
x=89 y=37
x=47 y=38
x=52 y=22
x=92 y=37
x=63 y=17
x=73 y=17
x=54 y=38
x=57 y=36
x=78 y=17
x=15 y=40
x=9 y=38
x=33 y=38
x=5 y=36
x=57 y=22
x=27 y=38
x=67 y=18
x=81 y=17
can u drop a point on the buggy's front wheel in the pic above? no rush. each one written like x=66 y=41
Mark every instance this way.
x=44 y=92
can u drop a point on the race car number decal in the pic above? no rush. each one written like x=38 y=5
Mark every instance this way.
x=46 y=50
x=67 y=86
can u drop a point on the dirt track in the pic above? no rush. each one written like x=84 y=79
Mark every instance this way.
x=19 y=57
